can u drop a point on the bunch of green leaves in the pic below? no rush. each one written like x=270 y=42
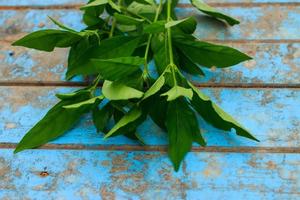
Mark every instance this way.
x=116 y=47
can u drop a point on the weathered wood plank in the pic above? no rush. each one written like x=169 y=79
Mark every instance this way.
x=271 y=115
x=272 y=63
x=67 y=2
x=275 y=22
x=147 y=175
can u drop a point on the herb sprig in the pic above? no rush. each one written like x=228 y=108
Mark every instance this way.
x=121 y=38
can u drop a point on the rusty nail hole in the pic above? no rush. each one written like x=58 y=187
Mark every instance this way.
x=44 y=174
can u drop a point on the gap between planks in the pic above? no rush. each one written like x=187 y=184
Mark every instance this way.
x=160 y=148
x=200 y=85
x=180 y=5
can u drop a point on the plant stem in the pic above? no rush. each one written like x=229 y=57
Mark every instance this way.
x=169 y=34
x=114 y=22
x=169 y=40
x=158 y=10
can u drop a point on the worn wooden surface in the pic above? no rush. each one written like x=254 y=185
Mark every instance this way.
x=81 y=165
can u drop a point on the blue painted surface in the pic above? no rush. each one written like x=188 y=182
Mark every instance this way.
x=257 y=22
x=271 y=115
x=272 y=63
x=66 y=2
x=148 y=175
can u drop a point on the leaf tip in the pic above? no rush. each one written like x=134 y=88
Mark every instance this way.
x=17 y=150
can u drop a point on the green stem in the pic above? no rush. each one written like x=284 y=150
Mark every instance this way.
x=169 y=33
x=158 y=10
x=169 y=41
x=114 y=22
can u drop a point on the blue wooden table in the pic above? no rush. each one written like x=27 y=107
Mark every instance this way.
x=262 y=94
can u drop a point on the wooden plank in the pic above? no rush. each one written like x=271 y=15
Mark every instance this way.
x=273 y=63
x=76 y=2
x=272 y=115
x=258 y=23
x=147 y=175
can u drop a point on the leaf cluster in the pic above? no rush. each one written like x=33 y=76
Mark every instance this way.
x=121 y=38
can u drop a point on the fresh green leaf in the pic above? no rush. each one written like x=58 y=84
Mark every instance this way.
x=116 y=68
x=47 y=40
x=187 y=65
x=82 y=92
x=155 y=27
x=178 y=22
x=55 y=123
x=114 y=6
x=116 y=91
x=157 y=85
x=141 y=9
x=79 y=61
x=188 y=26
x=214 y=115
x=176 y=92
x=209 y=55
x=60 y=25
x=92 y=101
x=91 y=16
x=213 y=12
x=133 y=135
x=94 y=4
x=182 y=129
x=156 y=107
x=127 y=20
x=128 y=118
x=101 y=117
x=160 y=52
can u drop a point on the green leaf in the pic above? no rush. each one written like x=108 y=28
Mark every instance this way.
x=214 y=115
x=213 y=12
x=128 y=118
x=55 y=123
x=116 y=91
x=178 y=91
x=92 y=101
x=127 y=20
x=178 y=22
x=82 y=92
x=114 y=6
x=91 y=16
x=60 y=25
x=157 y=109
x=160 y=52
x=94 y=4
x=157 y=85
x=209 y=55
x=79 y=61
x=116 y=68
x=47 y=40
x=182 y=129
x=187 y=65
x=101 y=117
x=155 y=27
x=133 y=135
x=188 y=26
x=141 y=9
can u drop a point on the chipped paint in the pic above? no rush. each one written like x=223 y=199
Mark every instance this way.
x=22 y=108
x=152 y=177
x=273 y=63
x=271 y=115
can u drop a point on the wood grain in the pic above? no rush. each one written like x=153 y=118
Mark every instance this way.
x=271 y=64
x=147 y=175
x=270 y=114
